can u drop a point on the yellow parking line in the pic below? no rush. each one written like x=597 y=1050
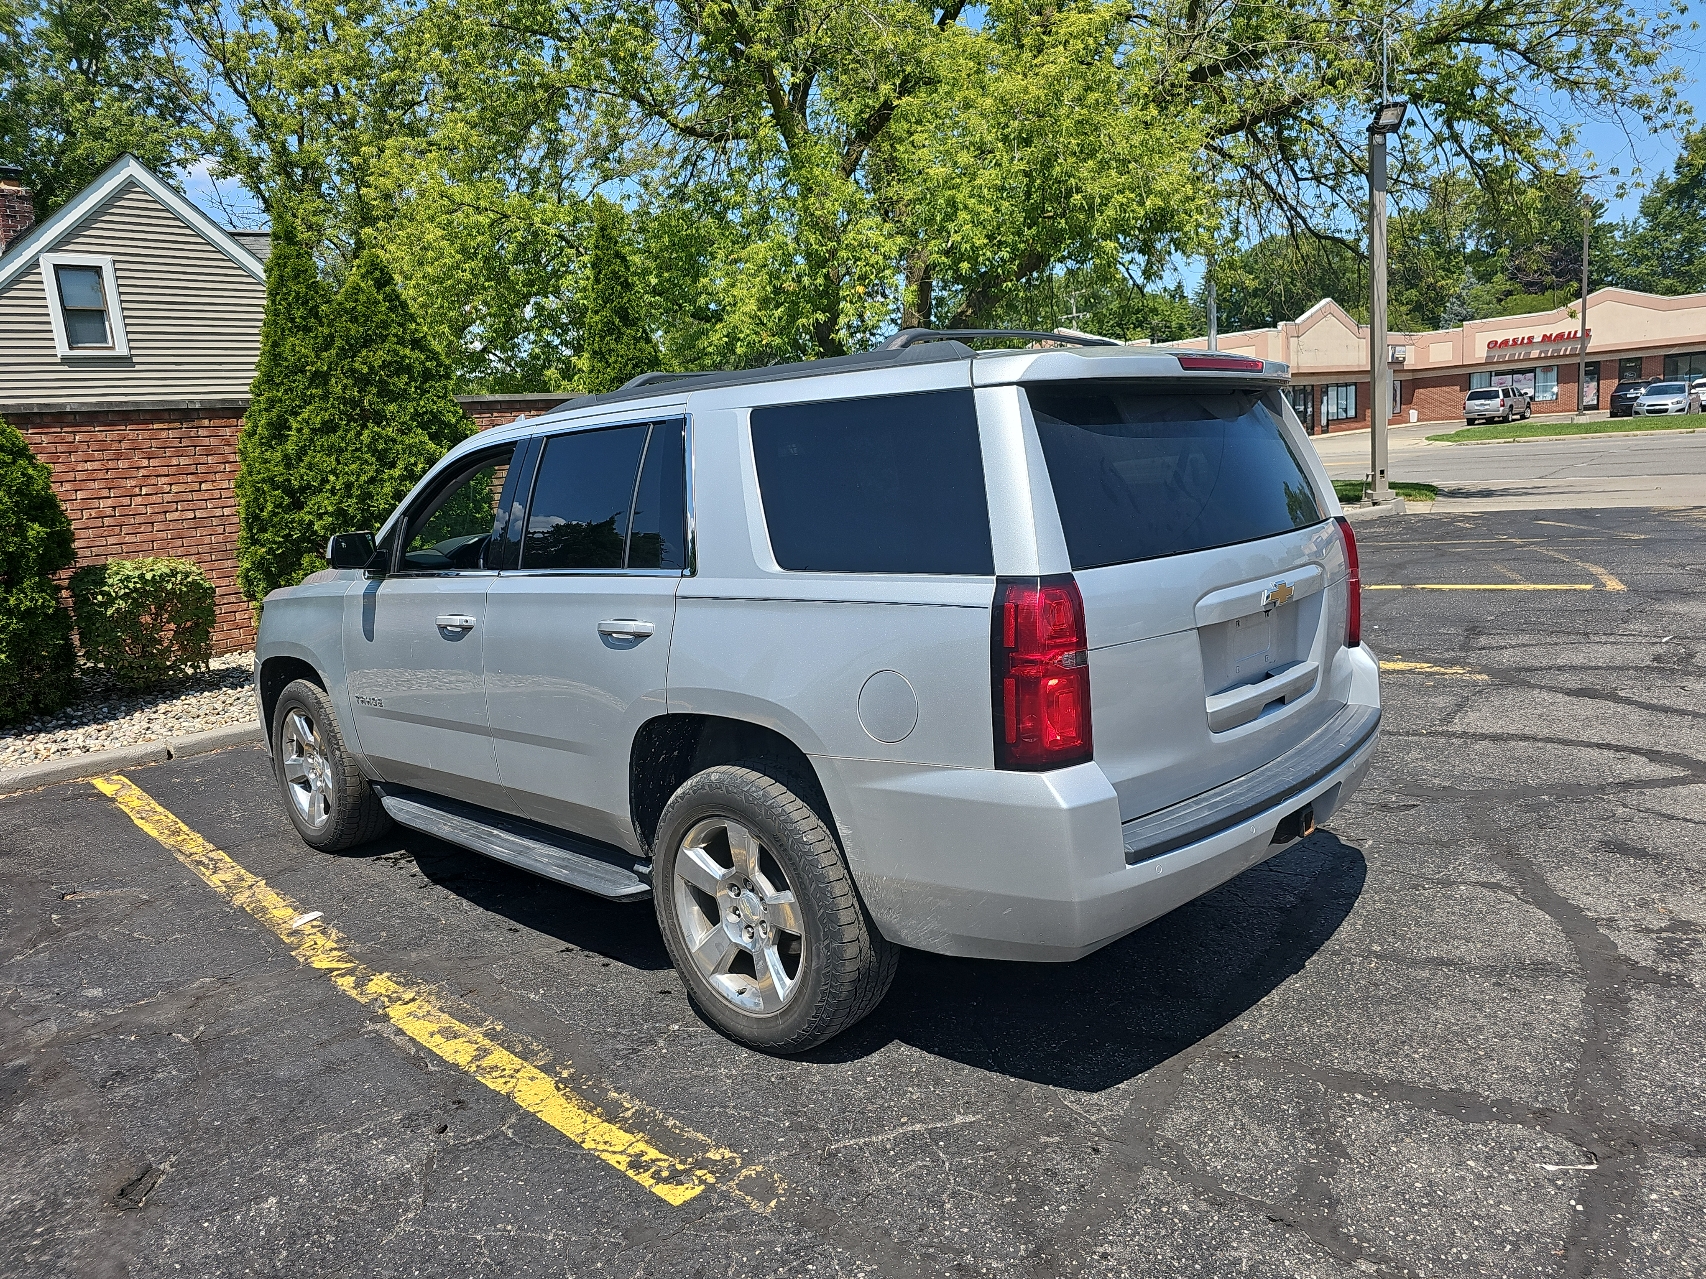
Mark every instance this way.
x=1400 y=666
x=412 y=1009
x=1483 y=586
x=1605 y=579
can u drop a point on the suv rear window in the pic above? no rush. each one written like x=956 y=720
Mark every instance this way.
x=1484 y=395
x=886 y=484
x=1143 y=471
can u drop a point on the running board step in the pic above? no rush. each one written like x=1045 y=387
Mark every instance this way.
x=568 y=859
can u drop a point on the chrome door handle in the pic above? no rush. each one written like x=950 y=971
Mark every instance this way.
x=626 y=628
x=455 y=622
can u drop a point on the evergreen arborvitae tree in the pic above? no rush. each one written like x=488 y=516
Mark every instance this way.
x=38 y=666
x=352 y=404
x=616 y=344
x=272 y=528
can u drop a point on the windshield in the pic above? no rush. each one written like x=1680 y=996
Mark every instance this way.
x=1483 y=395
x=1667 y=388
x=1141 y=471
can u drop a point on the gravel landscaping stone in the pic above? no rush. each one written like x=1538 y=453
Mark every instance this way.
x=106 y=716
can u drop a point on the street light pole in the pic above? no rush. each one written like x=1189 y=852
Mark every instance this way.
x=1582 y=371
x=1387 y=120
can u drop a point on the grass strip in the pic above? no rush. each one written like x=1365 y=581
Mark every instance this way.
x=1353 y=490
x=1535 y=427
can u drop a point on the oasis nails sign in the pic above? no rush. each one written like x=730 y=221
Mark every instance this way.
x=1544 y=339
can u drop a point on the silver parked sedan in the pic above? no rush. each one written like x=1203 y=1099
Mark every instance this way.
x=1667 y=397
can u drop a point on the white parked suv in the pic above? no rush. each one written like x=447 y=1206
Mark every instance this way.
x=1495 y=404
x=998 y=654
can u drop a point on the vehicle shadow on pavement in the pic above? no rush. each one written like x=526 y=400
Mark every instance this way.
x=624 y=932
x=1113 y=1015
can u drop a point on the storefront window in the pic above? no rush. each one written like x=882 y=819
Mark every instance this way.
x=1480 y=381
x=1339 y=401
x=1629 y=370
x=1397 y=397
x=1690 y=365
x=1590 y=385
x=1303 y=404
x=1546 y=383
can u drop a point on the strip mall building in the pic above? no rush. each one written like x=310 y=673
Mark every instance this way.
x=1630 y=335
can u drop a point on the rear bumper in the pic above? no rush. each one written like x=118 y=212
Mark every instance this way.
x=995 y=865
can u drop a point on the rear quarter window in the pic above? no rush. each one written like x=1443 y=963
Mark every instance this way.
x=1142 y=471
x=883 y=484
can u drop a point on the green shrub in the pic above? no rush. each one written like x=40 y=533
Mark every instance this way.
x=142 y=621
x=38 y=666
x=351 y=404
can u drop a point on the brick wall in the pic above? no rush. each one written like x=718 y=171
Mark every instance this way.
x=151 y=482
x=159 y=481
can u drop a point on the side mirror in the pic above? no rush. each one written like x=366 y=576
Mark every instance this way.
x=350 y=550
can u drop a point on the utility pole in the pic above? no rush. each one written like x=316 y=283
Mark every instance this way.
x=1582 y=371
x=1213 y=311
x=1387 y=120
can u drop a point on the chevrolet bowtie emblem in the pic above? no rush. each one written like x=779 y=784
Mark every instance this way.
x=1278 y=593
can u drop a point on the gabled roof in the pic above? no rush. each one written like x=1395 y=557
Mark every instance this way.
x=126 y=170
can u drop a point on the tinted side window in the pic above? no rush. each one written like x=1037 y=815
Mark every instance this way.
x=581 y=497
x=889 y=484
x=451 y=528
x=658 y=538
x=1138 y=473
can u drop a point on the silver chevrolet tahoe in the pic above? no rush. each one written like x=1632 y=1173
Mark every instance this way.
x=998 y=654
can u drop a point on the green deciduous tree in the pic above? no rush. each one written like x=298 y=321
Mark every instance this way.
x=37 y=663
x=803 y=175
x=1664 y=250
x=616 y=342
x=352 y=403
x=82 y=82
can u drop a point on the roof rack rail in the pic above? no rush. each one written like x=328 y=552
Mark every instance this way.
x=908 y=337
x=658 y=375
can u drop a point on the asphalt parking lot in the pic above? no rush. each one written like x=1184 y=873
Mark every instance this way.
x=1459 y=1033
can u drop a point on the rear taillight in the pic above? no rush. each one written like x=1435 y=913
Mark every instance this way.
x=1353 y=585
x=1040 y=673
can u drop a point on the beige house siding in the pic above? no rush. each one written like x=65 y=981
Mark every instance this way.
x=192 y=314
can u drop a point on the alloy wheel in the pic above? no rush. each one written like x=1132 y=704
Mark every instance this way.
x=738 y=916
x=307 y=772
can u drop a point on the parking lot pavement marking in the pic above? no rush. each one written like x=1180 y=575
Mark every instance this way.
x=1483 y=586
x=1605 y=579
x=410 y=1007
x=1400 y=666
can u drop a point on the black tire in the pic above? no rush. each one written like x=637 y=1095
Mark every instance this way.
x=844 y=965
x=352 y=813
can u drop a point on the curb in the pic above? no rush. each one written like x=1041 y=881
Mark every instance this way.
x=1397 y=506
x=76 y=768
x=1578 y=435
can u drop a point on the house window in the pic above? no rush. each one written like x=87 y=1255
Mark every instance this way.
x=1340 y=401
x=83 y=305
x=1546 y=383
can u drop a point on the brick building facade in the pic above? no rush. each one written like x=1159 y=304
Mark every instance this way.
x=159 y=479
x=1630 y=335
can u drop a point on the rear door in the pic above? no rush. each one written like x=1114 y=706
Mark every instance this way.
x=578 y=633
x=1211 y=573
